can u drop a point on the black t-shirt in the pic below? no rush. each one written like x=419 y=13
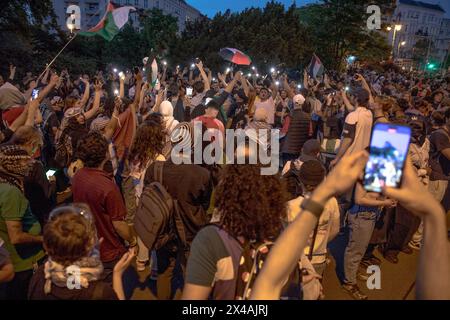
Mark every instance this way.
x=97 y=290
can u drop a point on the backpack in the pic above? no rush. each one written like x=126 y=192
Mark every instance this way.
x=158 y=219
x=64 y=151
x=292 y=179
x=250 y=263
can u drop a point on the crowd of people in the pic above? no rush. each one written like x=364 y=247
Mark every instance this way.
x=89 y=189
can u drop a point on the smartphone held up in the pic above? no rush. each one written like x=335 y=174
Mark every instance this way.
x=388 y=151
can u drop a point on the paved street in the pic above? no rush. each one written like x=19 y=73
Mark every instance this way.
x=396 y=279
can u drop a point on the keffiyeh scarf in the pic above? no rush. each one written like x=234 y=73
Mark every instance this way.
x=14 y=165
x=81 y=273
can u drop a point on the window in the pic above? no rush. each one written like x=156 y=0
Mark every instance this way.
x=136 y=2
x=145 y=4
x=127 y=2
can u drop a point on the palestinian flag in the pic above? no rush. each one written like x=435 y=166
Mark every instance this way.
x=316 y=67
x=111 y=23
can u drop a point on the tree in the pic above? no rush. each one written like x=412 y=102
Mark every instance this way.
x=270 y=36
x=339 y=29
x=19 y=20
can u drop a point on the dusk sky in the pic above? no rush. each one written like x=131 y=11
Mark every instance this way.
x=211 y=7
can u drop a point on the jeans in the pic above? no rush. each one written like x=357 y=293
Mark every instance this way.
x=361 y=226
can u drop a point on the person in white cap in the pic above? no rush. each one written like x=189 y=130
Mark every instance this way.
x=300 y=129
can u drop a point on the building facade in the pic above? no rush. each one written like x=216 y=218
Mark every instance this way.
x=420 y=21
x=93 y=10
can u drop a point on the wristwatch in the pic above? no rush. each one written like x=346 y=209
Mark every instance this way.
x=314 y=207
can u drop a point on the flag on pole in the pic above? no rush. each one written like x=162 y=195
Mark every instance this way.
x=316 y=67
x=111 y=23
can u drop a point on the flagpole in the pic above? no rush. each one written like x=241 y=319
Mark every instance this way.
x=68 y=42
x=56 y=57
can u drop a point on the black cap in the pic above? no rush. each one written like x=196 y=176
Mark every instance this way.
x=213 y=104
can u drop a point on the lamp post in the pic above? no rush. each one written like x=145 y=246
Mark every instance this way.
x=396 y=28
x=400 y=44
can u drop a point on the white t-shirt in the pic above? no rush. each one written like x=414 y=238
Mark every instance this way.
x=363 y=119
x=328 y=223
x=269 y=106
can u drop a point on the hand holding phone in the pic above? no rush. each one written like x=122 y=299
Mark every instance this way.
x=189 y=91
x=388 y=151
x=34 y=94
x=50 y=174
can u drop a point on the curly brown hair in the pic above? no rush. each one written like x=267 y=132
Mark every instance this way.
x=148 y=143
x=92 y=149
x=251 y=205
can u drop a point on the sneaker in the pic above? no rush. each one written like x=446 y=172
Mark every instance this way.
x=407 y=250
x=370 y=261
x=140 y=265
x=414 y=245
x=354 y=292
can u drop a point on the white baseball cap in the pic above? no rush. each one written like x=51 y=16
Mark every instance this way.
x=299 y=99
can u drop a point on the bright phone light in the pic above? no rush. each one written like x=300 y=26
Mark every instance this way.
x=277 y=83
x=116 y=92
x=115 y=70
x=299 y=86
x=272 y=70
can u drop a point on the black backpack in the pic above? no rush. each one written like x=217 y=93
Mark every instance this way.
x=292 y=180
x=158 y=219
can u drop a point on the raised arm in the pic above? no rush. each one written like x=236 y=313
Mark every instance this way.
x=290 y=245
x=12 y=72
x=305 y=79
x=53 y=81
x=347 y=103
x=87 y=89
x=32 y=107
x=204 y=76
x=112 y=124
x=366 y=86
x=432 y=276
x=274 y=89
x=221 y=78
x=96 y=104
x=121 y=87
x=288 y=88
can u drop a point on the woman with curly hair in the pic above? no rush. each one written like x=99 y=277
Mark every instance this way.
x=147 y=148
x=251 y=207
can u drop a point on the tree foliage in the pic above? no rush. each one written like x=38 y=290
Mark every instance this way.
x=339 y=29
x=271 y=36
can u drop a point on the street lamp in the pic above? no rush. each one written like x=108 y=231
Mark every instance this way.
x=400 y=44
x=396 y=28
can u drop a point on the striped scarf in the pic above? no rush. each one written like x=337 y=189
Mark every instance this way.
x=15 y=164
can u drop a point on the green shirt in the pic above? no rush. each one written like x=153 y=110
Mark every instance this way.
x=15 y=207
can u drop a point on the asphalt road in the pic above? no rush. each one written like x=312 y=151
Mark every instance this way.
x=397 y=280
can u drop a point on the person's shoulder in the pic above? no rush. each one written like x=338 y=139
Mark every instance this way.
x=10 y=192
